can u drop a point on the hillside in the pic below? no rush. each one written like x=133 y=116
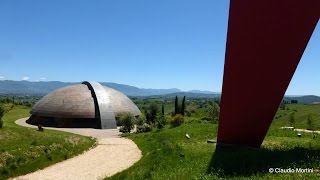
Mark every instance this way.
x=304 y=99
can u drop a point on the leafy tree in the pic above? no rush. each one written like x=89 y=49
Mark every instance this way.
x=310 y=122
x=214 y=112
x=291 y=119
x=183 y=105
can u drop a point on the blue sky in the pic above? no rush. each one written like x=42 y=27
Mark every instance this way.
x=148 y=44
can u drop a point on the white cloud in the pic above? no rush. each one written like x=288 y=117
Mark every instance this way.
x=42 y=79
x=25 y=78
x=1 y=77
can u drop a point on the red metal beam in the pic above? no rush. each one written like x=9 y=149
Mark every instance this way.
x=266 y=40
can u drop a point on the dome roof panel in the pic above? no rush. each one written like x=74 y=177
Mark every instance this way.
x=121 y=103
x=69 y=102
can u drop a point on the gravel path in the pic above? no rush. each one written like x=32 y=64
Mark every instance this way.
x=112 y=155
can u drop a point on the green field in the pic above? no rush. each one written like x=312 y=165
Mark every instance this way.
x=168 y=154
x=301 y=112
x=23 y=150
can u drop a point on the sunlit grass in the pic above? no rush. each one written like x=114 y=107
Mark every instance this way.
x=23 y=150
x=168 y=154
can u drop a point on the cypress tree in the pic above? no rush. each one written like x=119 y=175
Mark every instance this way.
x=310 y=122
x=176 y=111
x=162 y=110
x=183 y=106
x=291 y=119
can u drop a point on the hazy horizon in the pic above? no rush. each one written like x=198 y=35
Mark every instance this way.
x=183 y=90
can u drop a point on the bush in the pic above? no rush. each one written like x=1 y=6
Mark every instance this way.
x=118 y=119
x=141 y=120
x=160 y=122
x=177 y=120
x=127 y=122
x=144 y=128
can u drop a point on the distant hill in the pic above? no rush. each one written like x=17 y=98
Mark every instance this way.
x=304 y=99
x=301 y=99
x=30 y=88
x=202 y=92
x=27 y=87
x=42 y=88
x=187 y=94
x=134 y=91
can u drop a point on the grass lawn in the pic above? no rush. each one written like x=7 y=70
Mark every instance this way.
x=23 y=150
x=168 y=154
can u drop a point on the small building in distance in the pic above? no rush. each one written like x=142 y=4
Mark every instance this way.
x=87 y=105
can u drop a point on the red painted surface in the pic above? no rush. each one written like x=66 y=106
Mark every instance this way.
x=265 y=42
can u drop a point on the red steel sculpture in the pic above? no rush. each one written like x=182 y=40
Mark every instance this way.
x=266 y=40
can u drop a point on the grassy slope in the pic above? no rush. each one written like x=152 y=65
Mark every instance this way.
x=23 y=150
x=301 y=112
x=162 y=151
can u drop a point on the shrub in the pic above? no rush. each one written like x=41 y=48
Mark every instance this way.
x=4 y=171
x=144 y=128
x=13 y=166
x=177 y=120
x=140 y=120
x=127 y=122
x=160 y=122
x=49 y=157
x=118 y=119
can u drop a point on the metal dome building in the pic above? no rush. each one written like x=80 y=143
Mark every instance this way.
x=84 y=105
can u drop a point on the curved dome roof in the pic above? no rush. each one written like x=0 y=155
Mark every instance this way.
x=73 y=101
x=121 y=103
x=84 y=101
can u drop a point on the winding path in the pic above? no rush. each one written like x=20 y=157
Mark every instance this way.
x=112 y=154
